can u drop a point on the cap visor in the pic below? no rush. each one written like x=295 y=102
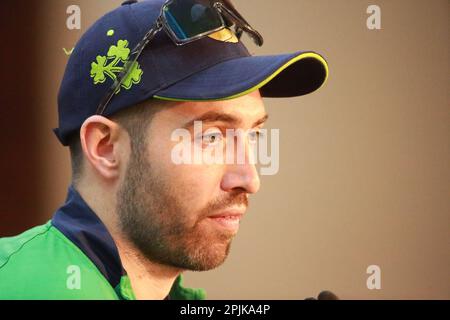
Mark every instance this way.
x=286 y=75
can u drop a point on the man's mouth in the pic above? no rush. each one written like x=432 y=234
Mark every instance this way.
x=228 y=220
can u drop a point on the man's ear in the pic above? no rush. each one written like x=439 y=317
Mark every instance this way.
x=99 y=140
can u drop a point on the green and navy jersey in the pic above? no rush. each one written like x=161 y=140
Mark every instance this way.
x=72 y=256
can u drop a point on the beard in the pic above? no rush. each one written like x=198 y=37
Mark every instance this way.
x=162 y=227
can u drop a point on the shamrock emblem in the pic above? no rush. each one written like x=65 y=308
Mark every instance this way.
x=98 y=70
x=113 y=63
x=120 y=51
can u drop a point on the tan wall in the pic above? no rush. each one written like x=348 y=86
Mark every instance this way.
x=364 y=173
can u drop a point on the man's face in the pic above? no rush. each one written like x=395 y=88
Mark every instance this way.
x=185 y=215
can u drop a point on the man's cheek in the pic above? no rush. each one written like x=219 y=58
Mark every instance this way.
x=196 y=184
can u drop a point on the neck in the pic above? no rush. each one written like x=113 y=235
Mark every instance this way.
x=149 y=280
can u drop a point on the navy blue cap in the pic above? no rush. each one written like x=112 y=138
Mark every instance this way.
x=206 y=69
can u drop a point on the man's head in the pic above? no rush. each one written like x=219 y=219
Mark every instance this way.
x=165 y=209
x=123 y=149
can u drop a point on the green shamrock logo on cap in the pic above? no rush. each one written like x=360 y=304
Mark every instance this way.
x=112 y=64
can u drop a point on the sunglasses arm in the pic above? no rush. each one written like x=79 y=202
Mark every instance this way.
x=242 y=25
x=134 y=55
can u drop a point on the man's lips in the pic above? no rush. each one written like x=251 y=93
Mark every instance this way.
x=228 y=220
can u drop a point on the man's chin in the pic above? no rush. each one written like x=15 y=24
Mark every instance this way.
x=208 y=256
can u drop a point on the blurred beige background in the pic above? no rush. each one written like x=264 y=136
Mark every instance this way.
x=364 y=162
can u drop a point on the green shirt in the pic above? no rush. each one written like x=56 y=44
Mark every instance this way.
x=72 y=256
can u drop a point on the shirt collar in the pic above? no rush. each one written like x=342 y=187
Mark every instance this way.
x=79 y=223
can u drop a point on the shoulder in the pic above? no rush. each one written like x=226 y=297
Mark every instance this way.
x=42 y=263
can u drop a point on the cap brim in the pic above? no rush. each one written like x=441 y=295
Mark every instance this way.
x=286 y=75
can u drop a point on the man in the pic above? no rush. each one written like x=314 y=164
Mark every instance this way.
x=134 y=218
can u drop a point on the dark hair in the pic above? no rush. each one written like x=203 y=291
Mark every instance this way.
x=135 y=120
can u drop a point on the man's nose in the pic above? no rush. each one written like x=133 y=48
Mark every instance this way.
x=241 y=175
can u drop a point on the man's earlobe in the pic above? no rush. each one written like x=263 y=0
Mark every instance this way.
x=99 y=137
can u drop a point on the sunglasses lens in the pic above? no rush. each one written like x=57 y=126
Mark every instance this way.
x=190 y=18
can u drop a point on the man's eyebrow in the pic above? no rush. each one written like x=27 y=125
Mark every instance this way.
x=261 y=121
x=215 y=116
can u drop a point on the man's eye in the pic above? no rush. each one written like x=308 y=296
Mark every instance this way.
x=253 y=135
x=212 y=138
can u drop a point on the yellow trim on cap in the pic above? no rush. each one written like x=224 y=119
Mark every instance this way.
x=263 y=83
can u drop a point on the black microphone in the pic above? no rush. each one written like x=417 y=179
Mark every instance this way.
x=325 y=295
